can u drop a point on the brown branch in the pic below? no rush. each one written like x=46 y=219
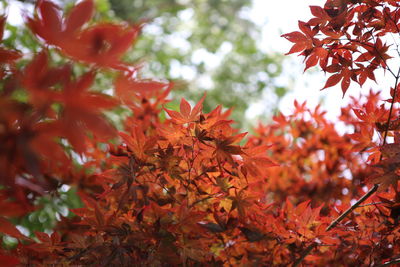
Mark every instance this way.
x=388 y=263
x=354 y=206
x=370 y=204
x=304 y=254
x=391 y=107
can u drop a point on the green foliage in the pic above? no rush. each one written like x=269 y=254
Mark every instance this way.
x=52 y=209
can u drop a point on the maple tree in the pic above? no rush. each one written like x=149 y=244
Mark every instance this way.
x=188 y=189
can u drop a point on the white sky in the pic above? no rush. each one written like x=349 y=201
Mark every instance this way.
x=14 y=13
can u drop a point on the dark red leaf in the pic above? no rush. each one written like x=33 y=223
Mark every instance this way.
x=333 y=80
x=6 y=227
x=8 y=260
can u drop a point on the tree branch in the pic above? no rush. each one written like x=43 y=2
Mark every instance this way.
x=304 y=254
x=388 y=263
x=354 y=206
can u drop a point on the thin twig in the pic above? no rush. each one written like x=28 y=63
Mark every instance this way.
x=388 y=263
x=391 y=106
x=370 y=204
x=304 y=254
x=354 y=206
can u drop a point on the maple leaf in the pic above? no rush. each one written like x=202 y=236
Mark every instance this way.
x=377 y=52
x=390 y=150
x=48 y=243
x=252 y=235
x=317 y=54
x=80 y=14
x=187 y=114
x=8 y=260
x=393 y=205
x=387 y=172
x=333 y=80
x=188 y=219
x=8 y=56
x=242 y=201
x=104 y=44
x=255 y=161
x=370 y=113
x=301 y=42
x=319 y=13
x=304 y=217
x=8 y=228
x=129 y=89
x=44 y=143
x=39 y=79
x=385 y=180
x=82 y=111
x=224 y=148
x=362 y=138
x=48 y=23
x=138 y=143
x=101 y=44
x=10 y=208
x=52 y=27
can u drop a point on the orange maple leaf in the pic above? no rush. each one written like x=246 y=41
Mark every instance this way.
x=186 y=114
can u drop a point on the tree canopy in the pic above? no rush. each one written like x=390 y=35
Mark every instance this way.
x=180 y=186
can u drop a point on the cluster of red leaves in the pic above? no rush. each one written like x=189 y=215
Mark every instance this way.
x=187 y=190
x=346 y=38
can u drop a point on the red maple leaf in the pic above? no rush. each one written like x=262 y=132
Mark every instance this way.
x=82 y=112
x=101 y=44
x=186 y=114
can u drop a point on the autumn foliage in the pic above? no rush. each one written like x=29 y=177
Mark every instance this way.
x=183 y=187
